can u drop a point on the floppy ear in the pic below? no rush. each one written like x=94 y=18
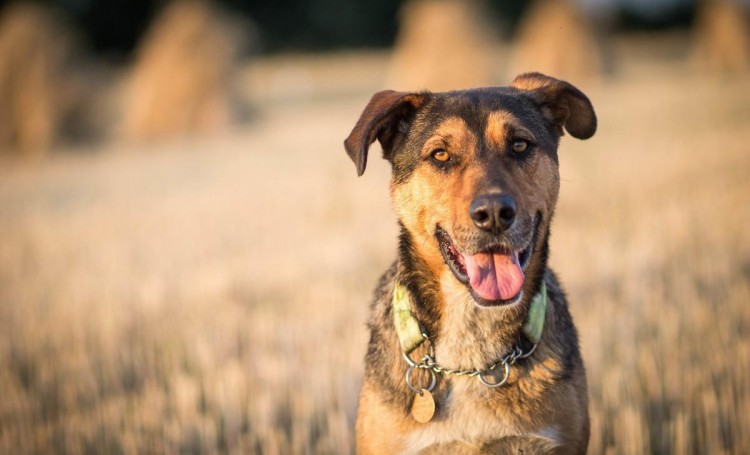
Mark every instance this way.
x=380 y=121
x=561 y=103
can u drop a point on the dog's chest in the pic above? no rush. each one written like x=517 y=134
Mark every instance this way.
x=462 y=420
x=469 y=414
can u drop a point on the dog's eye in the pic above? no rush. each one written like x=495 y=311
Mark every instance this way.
x=520 y=145
x=440 y=155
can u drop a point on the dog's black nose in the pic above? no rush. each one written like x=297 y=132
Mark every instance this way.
x=493 y=212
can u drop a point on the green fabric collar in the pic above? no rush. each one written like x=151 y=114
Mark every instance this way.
x=534 y=324
x=407 y=326
x=410 y=334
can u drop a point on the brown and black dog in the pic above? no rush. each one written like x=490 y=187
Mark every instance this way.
x=475 y=182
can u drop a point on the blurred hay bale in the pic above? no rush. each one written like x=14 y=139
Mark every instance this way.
x=721 y=37
x=36 y=78
x=441 y=45
x=556 y=38
x=183 y=79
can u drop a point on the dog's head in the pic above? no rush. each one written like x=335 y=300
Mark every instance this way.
x=475 y=174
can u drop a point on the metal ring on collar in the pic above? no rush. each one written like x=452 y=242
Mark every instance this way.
x=480 y=376
x=409 y=360
x=433 y=381
x=531 y=351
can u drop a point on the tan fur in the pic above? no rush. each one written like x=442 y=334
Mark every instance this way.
x=428 y=185
x=428 y=199
x=497 y=131
x=543 y=406
x=379 y=420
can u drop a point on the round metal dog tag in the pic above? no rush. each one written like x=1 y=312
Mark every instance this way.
x=423 y=406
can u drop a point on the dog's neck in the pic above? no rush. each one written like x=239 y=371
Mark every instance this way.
x=465 y=336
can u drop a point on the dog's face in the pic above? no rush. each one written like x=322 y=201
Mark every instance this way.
x=475 y=174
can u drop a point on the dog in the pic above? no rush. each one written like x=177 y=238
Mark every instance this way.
x=472 y=348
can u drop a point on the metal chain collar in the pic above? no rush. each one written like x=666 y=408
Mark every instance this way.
x=428 y=363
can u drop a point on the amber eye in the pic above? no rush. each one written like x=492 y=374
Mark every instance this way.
x=441 y=155
x=520 y=145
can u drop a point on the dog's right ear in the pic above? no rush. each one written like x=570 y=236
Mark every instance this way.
x=380 y=120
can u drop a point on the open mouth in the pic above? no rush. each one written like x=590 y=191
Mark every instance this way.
x=494 y=276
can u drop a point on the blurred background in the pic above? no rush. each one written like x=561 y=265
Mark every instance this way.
x=187 y=256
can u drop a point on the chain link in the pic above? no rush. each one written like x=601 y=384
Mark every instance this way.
x=428 y=363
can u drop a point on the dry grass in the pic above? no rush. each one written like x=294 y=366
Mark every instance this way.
x=556 y=37
x=722 y=37
x=652 y=243
x=182 y=81
x=174 y=300
x=442 y=45
x=36 y=78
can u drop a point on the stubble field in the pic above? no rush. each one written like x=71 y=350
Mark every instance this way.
x=210 y=294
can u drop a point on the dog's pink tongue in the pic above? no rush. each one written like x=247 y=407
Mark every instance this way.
x=494 y=276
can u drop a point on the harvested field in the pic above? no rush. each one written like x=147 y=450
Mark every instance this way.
x=210 y=295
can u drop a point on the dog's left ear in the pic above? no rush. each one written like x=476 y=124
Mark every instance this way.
x=380 y=120
x=561 y=103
